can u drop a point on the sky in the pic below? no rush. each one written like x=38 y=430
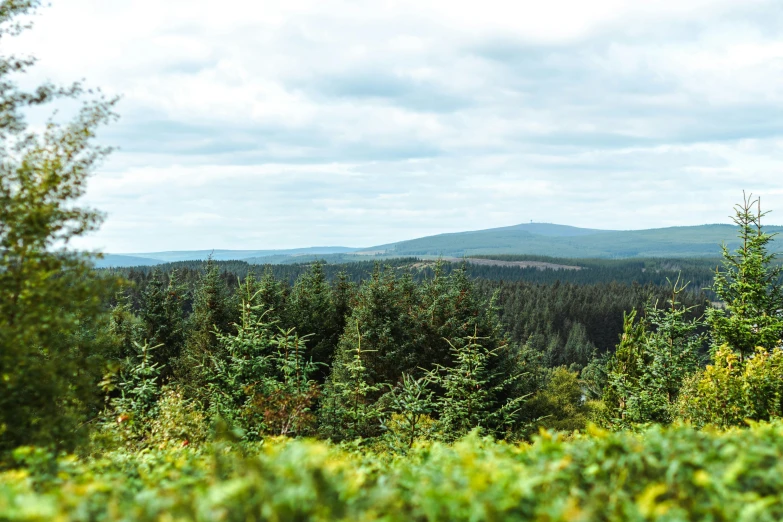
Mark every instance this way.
x=259 y=125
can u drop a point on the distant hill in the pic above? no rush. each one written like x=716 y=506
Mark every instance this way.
x=561 y=241
x=254 y=256
x=541 y=239
x=118 y=260
x=552 y=230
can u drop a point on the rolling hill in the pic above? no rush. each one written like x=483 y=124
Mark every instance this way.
x=542 y=239
x=563 y=241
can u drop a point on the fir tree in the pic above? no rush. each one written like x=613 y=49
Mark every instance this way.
x=350 y=406
x=749 y=287
x=475 y=392
x=654 y=358
x=211 y=316
x=164 y=323
x=312 y=311
x=406 y=418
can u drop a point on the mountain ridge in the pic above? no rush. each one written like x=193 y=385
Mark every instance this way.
x=547 y=239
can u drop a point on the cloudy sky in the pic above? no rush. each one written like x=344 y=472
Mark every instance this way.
x=277 y=124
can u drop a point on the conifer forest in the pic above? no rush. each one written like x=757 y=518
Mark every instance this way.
x=396 y=388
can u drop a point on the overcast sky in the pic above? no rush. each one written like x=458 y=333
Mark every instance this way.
x=257 y=124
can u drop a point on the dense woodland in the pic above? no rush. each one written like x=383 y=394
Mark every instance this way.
x=406 y=390
x=655 y=271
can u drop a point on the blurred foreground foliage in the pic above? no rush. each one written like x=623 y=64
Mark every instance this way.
x=674 y=473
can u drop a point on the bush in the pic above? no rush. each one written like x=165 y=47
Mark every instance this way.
x=660 y=474
x=559 y=406
x=731 y=390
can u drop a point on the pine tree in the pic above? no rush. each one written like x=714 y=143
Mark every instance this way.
x=384 y=323
x=211 y=316
x=475 y=393
x=350 y=406
x=273 y=297
x=749 y=287
x=343 y=295
x=654 y=359
x=164 y=323
x=139 y=391
x=125 y=328
x=406 y=418
x=287 y=400
x=626 y=366
x=312 y=311
x=240 y=362
x=260 y=379
x=578 y=350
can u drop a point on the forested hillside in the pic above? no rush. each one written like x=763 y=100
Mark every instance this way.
x=558 y=241
x=656 y=271
x=534 y=239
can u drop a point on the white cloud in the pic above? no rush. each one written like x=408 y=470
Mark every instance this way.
x=295 y=123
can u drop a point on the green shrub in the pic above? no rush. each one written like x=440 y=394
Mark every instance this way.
x=559 y=406
x=661 y=474
x=731 y=390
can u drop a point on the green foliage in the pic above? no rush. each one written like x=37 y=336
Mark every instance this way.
x=349 y=408
x=575 y=353
x=259 y=380
x=730 y=391
x=744 y=379
x=312 y=310
x=288 y=399
x=749 y=287
x=125 y=328
x=655 y=356
x=178 y=421
x=407 y=418
x=658 y=475
x=48 y=366
x=139 y=391
x=552 y=311
x=211 y=316
x=559 y=405
x=163 y=319
x=475 y=391
x=383 y=322
x=273 y=296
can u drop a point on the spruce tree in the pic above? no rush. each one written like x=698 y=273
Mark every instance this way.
x=273 y=297
x=343 y=295
x=384 y=323
x=749 y=287
x=406 y=418
x=139 y=390
x=350 y=406
x=211 y=316
x=578 y=350
x=655 y=357
x=240 y=360
x=312 y=312
x=164 y=323
x=475 y=393
x=125 y=328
